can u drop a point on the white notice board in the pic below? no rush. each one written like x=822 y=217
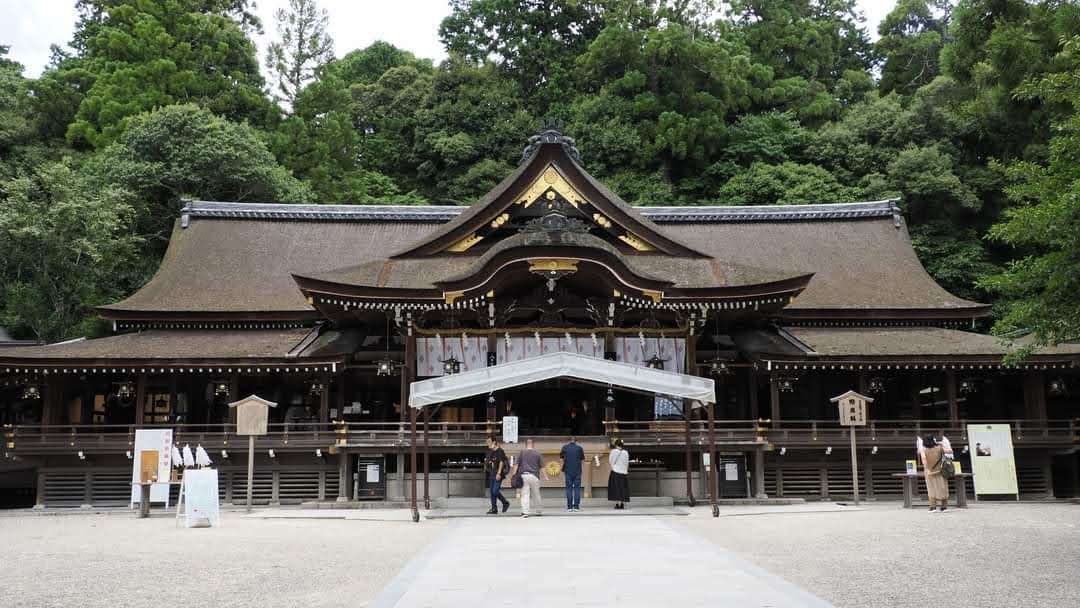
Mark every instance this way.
x=510 y=429
x=152 y=439
x=201 y=497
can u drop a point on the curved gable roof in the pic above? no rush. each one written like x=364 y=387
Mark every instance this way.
x=548 y=156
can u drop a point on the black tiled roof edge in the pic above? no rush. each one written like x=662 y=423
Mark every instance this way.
x=444 y=213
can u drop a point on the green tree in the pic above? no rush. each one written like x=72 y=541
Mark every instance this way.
x=808 y=48
x=15 y=124
x=352 y=128
x=65 y=246
x=1042 y=288
x=911 y=38
x=184 y=151
x=671 y=85
x=788 y=183
x=533 y=42
x=134 y=56
x=303 y=49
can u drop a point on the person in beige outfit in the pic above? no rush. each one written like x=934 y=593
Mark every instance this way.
x=937 y=488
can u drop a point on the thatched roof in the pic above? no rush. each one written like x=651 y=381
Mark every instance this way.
x=885 y=343
x=173 y=344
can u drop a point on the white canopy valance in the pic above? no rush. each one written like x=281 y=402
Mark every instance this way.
x=560 y=365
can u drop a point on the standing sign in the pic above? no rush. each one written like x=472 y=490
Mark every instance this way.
x=200 y=499
x=252 y=414
x=852 y=408
x=157 y=441
x=992 y=462
x=510 y=429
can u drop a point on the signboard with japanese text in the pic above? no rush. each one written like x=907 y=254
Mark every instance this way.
x=152 y=440
x=510 y=429
x=993 y=464
x=852 y=408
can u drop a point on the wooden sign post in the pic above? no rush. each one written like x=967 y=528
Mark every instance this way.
x=252 y=414
x=852 y=408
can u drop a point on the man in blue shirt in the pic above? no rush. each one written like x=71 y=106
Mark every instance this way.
x=572 y=456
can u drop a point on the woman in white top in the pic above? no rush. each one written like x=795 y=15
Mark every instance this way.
x=618 y=485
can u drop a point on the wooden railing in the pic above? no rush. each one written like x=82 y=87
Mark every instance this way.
x=887 y=433
x=48 y=439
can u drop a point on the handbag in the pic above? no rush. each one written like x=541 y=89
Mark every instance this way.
x=516 y=481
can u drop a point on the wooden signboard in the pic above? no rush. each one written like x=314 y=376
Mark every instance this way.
x=252 y=415
x=148 y=466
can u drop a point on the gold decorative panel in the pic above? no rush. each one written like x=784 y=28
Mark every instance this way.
x=465 y=243
x=555 y=265
x=635 y=242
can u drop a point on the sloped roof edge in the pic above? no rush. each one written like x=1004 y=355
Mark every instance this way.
x=445 y=213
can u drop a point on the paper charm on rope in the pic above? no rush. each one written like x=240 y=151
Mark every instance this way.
x=189 y=459
x=201 y=457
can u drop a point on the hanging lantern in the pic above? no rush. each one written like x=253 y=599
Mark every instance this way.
x=221 y=388
x=451 y=365
x=126 y=390
x=968 y=386
x=785 y=384
x=719 y=367
x=31 y=392
x=876 y=385
x=1058 y=387
x=385 y=367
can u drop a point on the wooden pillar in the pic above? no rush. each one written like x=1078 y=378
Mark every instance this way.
x=759 y=472
x=140 y=399
x=234 y=395
x=753 y=384
x=172 y=399
x=862 y=383
x=950 y=396
x=1034 y=395
x=774 y=401
x=408 y=372
x=324 y=397
x=714 y=466
x=913 y=391
x=427 y=461
x=49 y=409
x=817 y=396
x=343 y=476
x=412 y=457
x=691 y=360
x=39 y=495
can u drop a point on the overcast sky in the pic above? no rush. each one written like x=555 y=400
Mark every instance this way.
x=30 y=26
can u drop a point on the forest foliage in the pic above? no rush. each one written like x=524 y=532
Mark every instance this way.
x=967 y=111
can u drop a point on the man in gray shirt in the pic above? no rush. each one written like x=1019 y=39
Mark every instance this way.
x=531 y=465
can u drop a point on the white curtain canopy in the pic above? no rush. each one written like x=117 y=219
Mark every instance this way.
x=560 y=365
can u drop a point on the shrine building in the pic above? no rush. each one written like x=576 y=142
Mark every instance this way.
x=680 y=330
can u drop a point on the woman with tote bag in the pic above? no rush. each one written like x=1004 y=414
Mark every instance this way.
x=618 y=485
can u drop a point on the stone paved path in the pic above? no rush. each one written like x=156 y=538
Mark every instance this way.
x=578 y=562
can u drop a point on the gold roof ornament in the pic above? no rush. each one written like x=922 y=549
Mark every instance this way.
x=549 y=183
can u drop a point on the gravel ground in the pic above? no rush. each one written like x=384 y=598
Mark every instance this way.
x=989 y=555
x=113 y=560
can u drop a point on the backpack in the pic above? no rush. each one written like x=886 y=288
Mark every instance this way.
x=948 y=471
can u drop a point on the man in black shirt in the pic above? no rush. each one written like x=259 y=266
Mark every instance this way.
x=497 y=467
